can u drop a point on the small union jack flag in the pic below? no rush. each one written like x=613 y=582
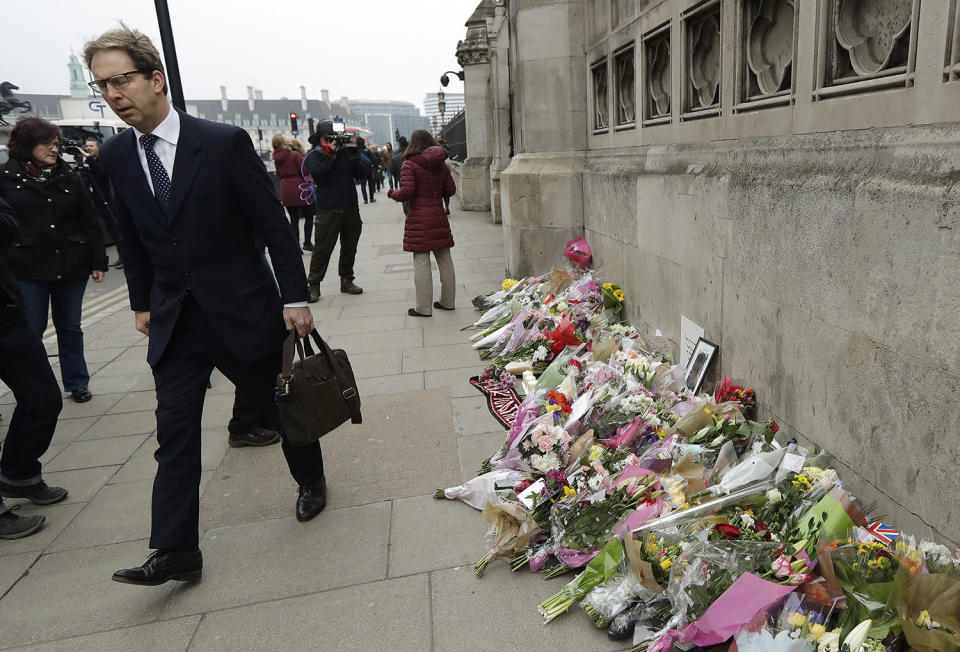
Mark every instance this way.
x=882 y=533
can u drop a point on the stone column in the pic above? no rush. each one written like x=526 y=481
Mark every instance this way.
x=542 y=189
x=473 y=55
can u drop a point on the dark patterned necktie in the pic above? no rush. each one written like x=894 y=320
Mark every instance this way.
x=158 y=174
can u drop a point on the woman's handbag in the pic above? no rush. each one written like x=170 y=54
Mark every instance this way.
x=317 y=393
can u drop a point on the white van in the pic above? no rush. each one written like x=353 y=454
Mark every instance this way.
x=76 y=130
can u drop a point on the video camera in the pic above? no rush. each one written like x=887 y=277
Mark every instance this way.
x=333 y=130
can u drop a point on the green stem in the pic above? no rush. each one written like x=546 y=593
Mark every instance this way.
x=438 y=494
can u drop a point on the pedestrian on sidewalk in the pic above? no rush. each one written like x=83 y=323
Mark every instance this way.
x=25 y=369
x=99 y=186
x=377 y=167
x=338 y=213
x=446 y=150
x=60 y=244
x=289 y=164
x=369 y=166
x=396 y=163
x=387 y=160
x=426 y=180
x=202 y=307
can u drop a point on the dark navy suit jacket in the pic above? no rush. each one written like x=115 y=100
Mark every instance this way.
x=206 y=242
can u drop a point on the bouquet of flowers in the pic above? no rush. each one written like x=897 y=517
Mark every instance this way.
x=613 y=298
x=727 y=391
x=545 y=448
x=868 y=575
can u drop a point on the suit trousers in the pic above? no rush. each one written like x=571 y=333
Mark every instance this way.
x=25 y=369
x=181 y=377
x=342 y=222
x=423 y=280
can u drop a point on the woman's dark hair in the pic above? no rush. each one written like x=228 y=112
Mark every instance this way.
x=419 y=141
x=29 y=132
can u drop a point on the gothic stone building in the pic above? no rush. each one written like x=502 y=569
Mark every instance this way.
x=782 y=172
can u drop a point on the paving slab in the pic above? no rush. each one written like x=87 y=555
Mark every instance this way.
x=368 y=365
x=83 y=484
x=117 y=425
x=445 y=334
x=432 y=358
x=138 y=367
x=364 y=343
x=429 y=534
x=95 y=452
x=278 y=558
x=475 y=449
x=156 y=637
x=119 y=512
x=13 y=567
x=471 y=416
x=499 y=612
x=119 y=383
x=103 y=355
x=376 y=309
x=135 y=402
x=409 y=434
x=57 y=516
x=70 y=429
x=70 y=593
x=388 y=615
x=94 y=407
x=457 y=380
x=375 y=325
x=374 y=385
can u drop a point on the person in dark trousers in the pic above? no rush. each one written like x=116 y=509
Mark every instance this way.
x=377 y=167
x=338 y=213
x=24 y=368
x=180 y=184
x=446 y=150
x=366 y=176
x=426 y=181
x=60 y=244
x=289 y=164
x=396 y=163
x=387 y=160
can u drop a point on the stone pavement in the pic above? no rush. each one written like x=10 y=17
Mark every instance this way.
x=384 y=567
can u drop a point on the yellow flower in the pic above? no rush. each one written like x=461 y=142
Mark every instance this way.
x=816 y=631
x=552 y=407
x=608 y=286
x=797 y=619
x=596 y=452
x=666 y=564
x=569 y=491
x=508 y=283
x=619 y=295
x=924 y=618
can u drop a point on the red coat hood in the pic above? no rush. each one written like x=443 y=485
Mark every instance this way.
x=431 y=158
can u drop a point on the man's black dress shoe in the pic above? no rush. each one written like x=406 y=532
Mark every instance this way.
x=164 y=565
x=81 y=395
x=39 y=493
x=256 y=437
x=311 y=500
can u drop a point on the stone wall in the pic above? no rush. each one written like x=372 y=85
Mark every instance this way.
x=825 y=268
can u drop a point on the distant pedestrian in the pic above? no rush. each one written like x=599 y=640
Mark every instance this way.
x=24 y=368
x=366 y=177
x=441 y=143
x=426 y=180
x=377 y=167
x=289 y=164
x=60 y=244
x=387 y=160
x=396 y=162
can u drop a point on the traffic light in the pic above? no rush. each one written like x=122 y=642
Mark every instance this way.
x=293 y=124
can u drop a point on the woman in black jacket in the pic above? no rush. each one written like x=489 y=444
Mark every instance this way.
x=59 y=246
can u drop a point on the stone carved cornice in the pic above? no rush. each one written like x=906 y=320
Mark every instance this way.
x=474 y=48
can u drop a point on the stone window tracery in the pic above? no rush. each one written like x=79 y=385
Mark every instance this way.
x=701 y=60
x=625 y=91
x=622 y=10
x=866 y=45
x=767 y=37
x=599 y=19
x=951 y=70
x=657 y=79
x=601 y=108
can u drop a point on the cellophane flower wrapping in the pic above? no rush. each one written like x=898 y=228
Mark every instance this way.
x=929 y=612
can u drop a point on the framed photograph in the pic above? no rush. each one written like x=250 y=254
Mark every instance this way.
x=699 y=362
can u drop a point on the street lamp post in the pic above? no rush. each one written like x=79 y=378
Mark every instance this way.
x=433 y=124
x=170 y=55
x=442 y=106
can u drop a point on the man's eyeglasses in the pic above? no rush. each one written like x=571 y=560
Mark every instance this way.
x=119 y=82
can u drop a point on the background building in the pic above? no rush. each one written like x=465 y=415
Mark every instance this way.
x=386 y=117
x=787 y=183
x=454 y=105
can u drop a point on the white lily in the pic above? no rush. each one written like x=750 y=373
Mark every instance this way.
x=856 y=637
x=829 y=642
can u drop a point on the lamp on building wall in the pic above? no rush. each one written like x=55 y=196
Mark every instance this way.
x=444 y=80
x=441 y=106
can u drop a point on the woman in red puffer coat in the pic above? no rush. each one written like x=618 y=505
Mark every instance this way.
x=425 y=180
x=289 y=165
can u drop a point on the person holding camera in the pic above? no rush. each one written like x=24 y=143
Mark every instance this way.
x=333 y=165
x=99 y=186
x=60 y=244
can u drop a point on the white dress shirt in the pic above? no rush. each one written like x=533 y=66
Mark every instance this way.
x=168 y=133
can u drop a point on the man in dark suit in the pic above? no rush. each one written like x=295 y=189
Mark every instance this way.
x=191 y=199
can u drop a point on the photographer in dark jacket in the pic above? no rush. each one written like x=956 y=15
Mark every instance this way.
x=24 y=368
x=338 y=214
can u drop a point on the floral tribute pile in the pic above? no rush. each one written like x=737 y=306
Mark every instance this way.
x=685 y=522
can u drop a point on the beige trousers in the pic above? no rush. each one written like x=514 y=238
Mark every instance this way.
x=423 y=280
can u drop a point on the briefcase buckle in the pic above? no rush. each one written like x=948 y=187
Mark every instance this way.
x=349 y=393
x=284 y=388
